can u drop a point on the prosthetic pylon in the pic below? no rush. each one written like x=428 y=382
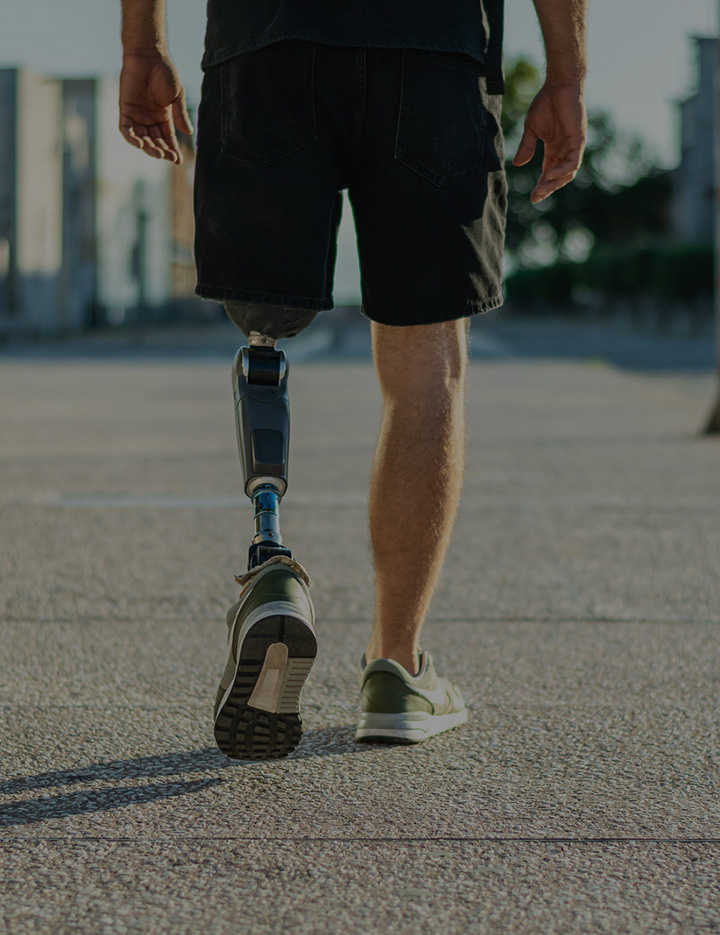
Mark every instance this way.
x=262 y=421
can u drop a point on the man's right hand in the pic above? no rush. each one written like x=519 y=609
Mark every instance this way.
x=152 y=104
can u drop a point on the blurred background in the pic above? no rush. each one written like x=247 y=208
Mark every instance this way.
x=95 y=235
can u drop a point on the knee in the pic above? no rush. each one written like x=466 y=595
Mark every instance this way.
x=419 y=361
x=271 y=321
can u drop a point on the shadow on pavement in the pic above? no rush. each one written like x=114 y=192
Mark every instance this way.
x=94 y=800
x=330 y=741
x=333 y=741
x=189 y=761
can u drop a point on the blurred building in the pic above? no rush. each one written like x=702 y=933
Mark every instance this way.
x=693 y=198
x=117 y=237
x=30 y=201
x=92 y=231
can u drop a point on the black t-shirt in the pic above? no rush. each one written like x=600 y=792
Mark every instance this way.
x=473 y=27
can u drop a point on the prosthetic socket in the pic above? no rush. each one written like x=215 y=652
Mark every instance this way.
x=262 y=420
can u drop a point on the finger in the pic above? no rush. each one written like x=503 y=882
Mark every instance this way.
x=160 y=143
x=181 y=115
x=131 y=136
x=163 y=135
x=173 y=147
x=148 y=140
x=144 y=134
x=559 y=171
x=526 y=149
x=546 y=188
x=558 y=165
x=151 y=148
x=168 y=151
x=176 y=155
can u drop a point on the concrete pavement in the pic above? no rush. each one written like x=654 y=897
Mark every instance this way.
x=579 y=610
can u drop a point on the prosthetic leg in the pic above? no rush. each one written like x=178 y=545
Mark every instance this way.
x=271 y=627
x=262 y=421
x=262 y=415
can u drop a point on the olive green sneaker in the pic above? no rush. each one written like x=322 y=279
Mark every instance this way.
x=272 y=648
x=401 y=708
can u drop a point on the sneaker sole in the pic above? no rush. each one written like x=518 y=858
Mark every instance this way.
x=413 y=727
x=258 y=717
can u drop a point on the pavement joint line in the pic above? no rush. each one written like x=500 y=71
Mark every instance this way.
x=355 y=498
x=316 y=706
x=354 y=621
x=302 y=839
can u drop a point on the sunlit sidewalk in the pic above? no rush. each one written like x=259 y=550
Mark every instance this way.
x=579 y=611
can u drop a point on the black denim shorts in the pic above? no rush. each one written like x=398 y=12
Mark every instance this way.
x=414 y=138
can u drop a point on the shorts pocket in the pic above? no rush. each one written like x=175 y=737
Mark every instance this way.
x=267 y=102
x=443 y=125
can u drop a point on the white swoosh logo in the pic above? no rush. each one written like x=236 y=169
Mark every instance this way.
x=434 y=696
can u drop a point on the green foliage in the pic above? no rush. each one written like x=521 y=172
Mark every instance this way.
x=522 y=82
x=619 y=195
x=667 y=273
x=613 y=271
x=683 y=271
x=548 y=285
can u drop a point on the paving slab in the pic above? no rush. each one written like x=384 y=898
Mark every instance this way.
x=401 y=886
x=578 y=610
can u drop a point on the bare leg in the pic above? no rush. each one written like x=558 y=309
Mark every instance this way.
x=417 y=475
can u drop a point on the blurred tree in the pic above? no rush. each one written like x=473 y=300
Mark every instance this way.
x=618 y=196
x=522 y=82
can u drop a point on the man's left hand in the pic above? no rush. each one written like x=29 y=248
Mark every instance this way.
x=557 y=116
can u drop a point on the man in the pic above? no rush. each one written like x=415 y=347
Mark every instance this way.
x=398 y=102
